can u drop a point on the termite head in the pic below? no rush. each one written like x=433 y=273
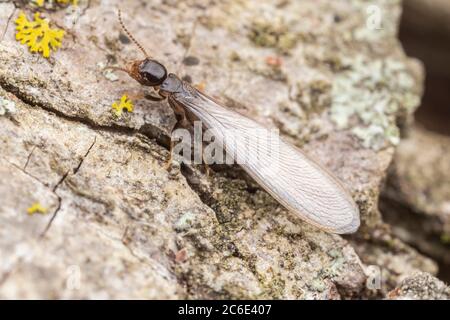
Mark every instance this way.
x=148 y=72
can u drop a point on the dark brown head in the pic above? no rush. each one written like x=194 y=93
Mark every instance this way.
x=148 y=72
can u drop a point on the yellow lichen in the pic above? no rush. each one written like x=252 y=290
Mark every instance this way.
x=38 y=35
x=40 y=3
x=36 y=208
x=74 y=2
x=124 y=103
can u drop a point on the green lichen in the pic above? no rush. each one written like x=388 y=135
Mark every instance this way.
x=318 y=285
x=369 y=96
x=184 y=223
x=272 y=34
x=314 y=96
x=228 y=200
x=336 y=267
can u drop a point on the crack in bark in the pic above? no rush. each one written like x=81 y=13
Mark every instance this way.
x=154 y=133
x=53 y=190
x=74 y=171
x=25 y=172
x=85 y=155
x=86 y=121
x=28 y=159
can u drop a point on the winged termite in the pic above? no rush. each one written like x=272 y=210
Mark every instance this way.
x=293 y=179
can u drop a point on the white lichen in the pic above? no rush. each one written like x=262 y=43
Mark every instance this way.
x=111 y=76
x=368 y=96
x=184 y=223
x=107 y=73
x=7 y=107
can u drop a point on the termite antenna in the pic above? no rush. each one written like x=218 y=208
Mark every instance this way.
x=115 y=68
x=119 y=14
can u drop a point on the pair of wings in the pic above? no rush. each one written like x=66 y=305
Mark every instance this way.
x=284 y=171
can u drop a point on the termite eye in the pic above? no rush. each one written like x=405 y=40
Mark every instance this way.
x=153 y=72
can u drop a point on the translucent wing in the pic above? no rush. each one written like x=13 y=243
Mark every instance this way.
x=284 y=171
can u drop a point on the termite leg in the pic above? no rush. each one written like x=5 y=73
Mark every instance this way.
x=154 y=97
x=169 y=161
x=182 y=121
x=207 y=168
x=136 y=95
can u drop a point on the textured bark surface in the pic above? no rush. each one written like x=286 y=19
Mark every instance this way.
x=420 y=286
x=122 y=226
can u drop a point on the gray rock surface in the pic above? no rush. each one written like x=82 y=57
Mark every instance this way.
x=122 y=226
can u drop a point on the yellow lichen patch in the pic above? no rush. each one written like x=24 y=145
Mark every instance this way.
x=124 y=103
x=74 y=2
x=40 y=3
x=38 y=35
x=36 y=208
